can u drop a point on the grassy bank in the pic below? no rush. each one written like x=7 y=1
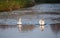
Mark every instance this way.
x=9 y=5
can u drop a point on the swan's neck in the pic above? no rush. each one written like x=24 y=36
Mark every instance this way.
x=19 y=22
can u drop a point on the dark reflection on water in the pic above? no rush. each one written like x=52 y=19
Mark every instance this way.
x=7 y=26
x=55 y=27
x=19 y=27
x=22 y=28
x=26 y=27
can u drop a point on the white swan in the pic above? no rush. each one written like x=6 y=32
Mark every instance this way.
x=19 y=22
x=41 y=22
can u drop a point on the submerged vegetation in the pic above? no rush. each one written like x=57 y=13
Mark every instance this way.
x=9 y=5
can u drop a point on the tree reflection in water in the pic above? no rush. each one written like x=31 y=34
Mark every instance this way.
x=25 y=28
x=3 y=26
x=55 y=27
x=21 y=28
x=7 y=26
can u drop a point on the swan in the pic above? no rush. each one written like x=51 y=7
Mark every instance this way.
x=19 y=22
x=41 y=22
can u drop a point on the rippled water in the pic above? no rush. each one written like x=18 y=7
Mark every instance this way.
x=30 y=27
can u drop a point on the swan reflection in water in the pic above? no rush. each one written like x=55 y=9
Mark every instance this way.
x=20 y=28
x=42 y=23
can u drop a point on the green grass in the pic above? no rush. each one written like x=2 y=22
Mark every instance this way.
x=14 y=4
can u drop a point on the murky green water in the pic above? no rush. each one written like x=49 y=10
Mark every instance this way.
x=30 y=19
